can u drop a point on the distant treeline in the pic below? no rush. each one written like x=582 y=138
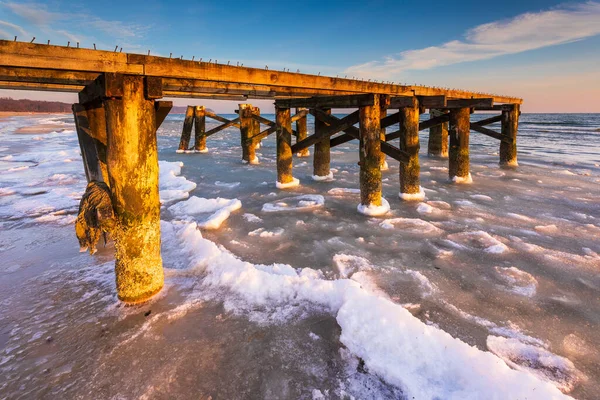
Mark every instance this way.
x=24 y=105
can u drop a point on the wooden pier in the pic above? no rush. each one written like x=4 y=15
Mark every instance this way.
x=120 y=109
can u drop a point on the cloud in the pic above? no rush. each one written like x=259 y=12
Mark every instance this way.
x=522 y=33
x=52 y=22
x=12 y=27
x=33 y=13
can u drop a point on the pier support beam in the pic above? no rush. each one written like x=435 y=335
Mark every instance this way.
x=322 y=157
x=247 y=131
x=186 y=133
x=97 y=122
x=200 y=129
x=132 y=158
x=410 y=183
x=302 y=132
x=89 y=153
x=256 y=143
x=384 y=102
x=438 y=137
x=510 y=126
x=371 y=202
x=458 y=168
x=284 y=149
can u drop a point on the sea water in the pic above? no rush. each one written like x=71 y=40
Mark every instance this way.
x=485 y=290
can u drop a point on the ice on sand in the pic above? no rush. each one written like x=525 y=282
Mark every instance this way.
x=296 y=203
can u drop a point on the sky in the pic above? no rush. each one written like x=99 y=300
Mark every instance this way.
x=546 y=52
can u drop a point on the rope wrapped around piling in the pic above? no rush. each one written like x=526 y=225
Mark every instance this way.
x=96 y=217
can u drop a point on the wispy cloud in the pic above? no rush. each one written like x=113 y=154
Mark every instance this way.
x=525 y=32
x=52 y=23
x=9 y=27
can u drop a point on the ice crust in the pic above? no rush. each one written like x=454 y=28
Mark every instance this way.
x=219 y=208
x=296 y=203
x=420 y=196
x=295 y=182
x=422 y=360
x=373 y=210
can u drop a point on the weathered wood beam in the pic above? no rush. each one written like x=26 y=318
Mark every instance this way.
x=470 y=103
x=233 y=122
x=510 y=126
x=394 y=152
x=263 y=120
x=186 y=131
x=458 y=152
x=200 y=129
x=301 y=114
x=302 y=131
x=54 y=77
x=50 y=57
x=496 y=107
x=384 y=103
x=247 y=125
x=222 y=119
x=89 y=153
x=390 y=120
x=491 y=133
x=410 y=183
x=107 y=85
x=42 y=87
x=284 y=148
x=263 y=134
x=326 y=129
x=162 y=109
x=203 y=96
x=370 y=149
x=490 y=120
x=132 y=158
x=438 y=101
x=403 y=101
x=437 y=145
x=322 y=156
x=348 y=101
x=434 y=121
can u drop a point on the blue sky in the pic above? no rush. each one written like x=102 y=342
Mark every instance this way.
x=543 y=51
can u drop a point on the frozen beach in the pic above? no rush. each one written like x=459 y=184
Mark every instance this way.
x=483 y=290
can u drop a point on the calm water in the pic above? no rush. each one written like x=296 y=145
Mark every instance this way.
x=508 y=264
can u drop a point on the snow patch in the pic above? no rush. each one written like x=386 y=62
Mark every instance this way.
x=420 y=196
x=296 y=203
x=295 y=182
x=373 y=210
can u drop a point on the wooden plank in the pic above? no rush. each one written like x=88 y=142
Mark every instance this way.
x=33 y=75
x=469 y=103
x=390 y=120
x=348 y=101
x=263 y=120
x=402 y=101
x=89 y=153
x=490 y=120
x=395 y=152
x=300 y=115
x=491 y=133
x=107 y=85
x=233 y=122
x=340 y=125
x=438 y=101
x=495 y=107
x=40 y=87
x=433 y=122
x=50 y=57
x=219 y=118
x=263 y=134
x=162 y=109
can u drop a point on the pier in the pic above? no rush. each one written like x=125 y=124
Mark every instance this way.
x=120 y=110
